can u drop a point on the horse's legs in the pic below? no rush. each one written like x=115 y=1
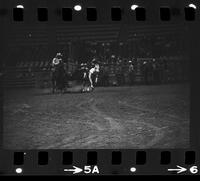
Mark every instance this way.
x=53 y=86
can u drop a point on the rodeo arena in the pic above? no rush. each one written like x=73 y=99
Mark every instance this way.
x=96 y=86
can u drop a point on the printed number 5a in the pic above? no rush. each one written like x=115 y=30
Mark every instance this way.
x=89 y=169
x=194 y=169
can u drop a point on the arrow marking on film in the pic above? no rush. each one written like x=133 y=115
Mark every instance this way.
x=179 y=169
x=74 y=170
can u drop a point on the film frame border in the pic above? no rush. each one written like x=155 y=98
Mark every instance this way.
x=152 y=165
x=107 y=162
x=164 y=10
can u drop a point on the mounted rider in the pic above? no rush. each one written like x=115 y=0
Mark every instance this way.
x=55 y=69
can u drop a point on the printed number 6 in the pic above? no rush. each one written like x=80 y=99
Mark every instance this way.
x=194 y=169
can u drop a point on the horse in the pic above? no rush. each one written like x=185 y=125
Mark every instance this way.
x=58 y=78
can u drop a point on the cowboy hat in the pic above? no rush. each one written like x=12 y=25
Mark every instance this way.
x=56 y=61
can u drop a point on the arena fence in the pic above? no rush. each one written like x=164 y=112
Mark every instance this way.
x=38 y=74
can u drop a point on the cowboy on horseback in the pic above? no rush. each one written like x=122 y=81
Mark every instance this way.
x=57 y=73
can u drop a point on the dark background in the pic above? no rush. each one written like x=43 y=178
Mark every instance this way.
x=153 y=18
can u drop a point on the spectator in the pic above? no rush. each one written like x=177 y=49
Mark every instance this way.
x=131 y=74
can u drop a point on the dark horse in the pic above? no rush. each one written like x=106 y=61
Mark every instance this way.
x=58 y=78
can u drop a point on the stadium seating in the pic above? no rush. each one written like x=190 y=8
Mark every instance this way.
x=28 y=63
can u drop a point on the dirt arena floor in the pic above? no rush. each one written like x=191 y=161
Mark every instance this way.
x=108 y=118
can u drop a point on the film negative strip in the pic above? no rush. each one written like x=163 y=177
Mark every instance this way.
x=104 y=87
